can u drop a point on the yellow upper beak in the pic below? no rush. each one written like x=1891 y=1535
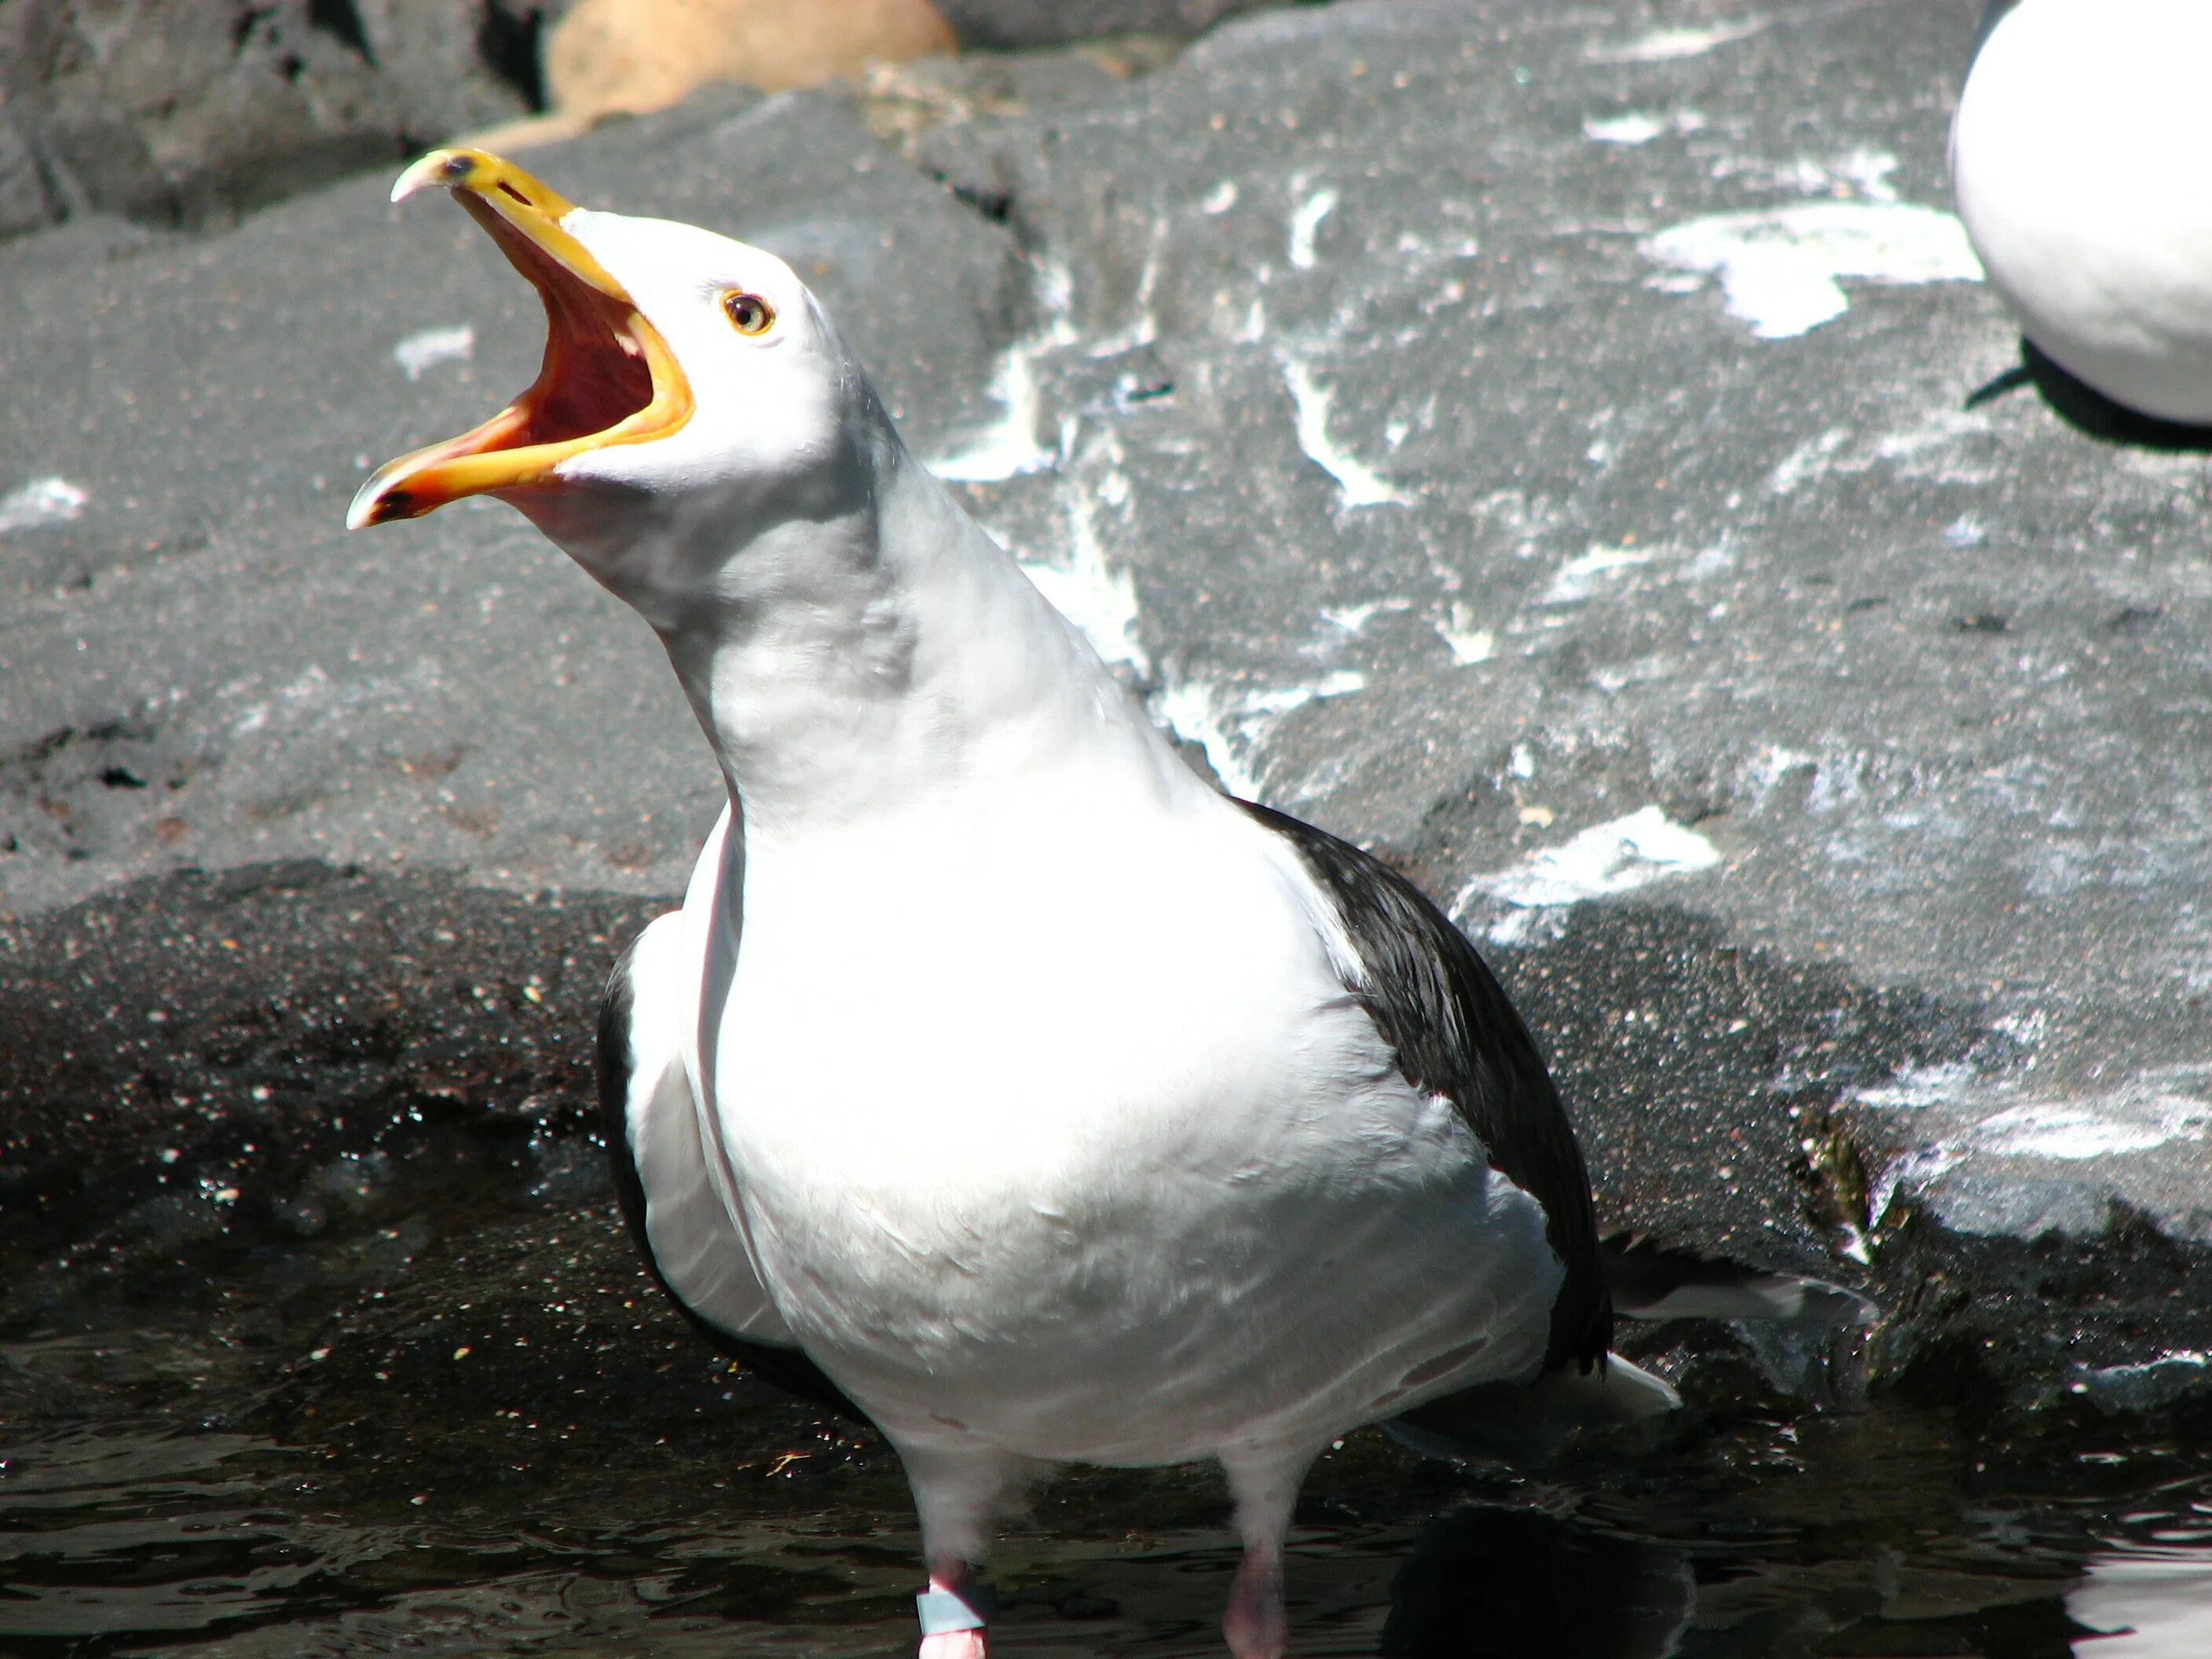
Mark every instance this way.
x=608 y=377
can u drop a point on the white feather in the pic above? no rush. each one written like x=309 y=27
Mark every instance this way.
x=1059 y=1132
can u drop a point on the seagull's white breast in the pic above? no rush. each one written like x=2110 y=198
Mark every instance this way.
x=2078 y=157
x=1056 y=1129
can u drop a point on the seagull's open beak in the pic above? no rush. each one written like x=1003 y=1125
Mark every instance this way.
x=608 y=377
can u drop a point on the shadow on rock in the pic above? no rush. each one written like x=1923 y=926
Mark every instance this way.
x=1702 y=1074
x=200 y=1066
x=529 y=1361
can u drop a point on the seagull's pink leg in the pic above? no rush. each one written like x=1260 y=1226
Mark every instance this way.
x=953 y=1576
x=956 y=1493
x=1266 y=1489
x=1255 y=1624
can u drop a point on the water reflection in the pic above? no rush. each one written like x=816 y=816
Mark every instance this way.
x=2145 y=1605
x=1516 y=1584
x=134 y=1539
x=2146 y=1592
x=488 y=1439
x=133 y=1533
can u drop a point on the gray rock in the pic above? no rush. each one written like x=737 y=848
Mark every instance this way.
x=24 y=204
x=899 y=102
x=453 y=65
x=1467 y=509
x=2146 y=1386
x=177 y=112
x=1004 y=23
x=202 y=668
x=1533 y=444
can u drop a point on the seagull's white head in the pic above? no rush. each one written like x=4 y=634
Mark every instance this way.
x=701 y=440
x=689 y=380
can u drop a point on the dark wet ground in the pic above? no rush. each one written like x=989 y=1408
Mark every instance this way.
x=455 y=1419
x=318 y=1335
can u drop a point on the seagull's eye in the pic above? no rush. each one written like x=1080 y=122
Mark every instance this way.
x=748 y=313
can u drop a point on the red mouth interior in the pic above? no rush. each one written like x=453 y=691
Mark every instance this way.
x=595 y=375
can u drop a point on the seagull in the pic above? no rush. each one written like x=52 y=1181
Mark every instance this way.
x=2076 y=165
x=1000 y=1080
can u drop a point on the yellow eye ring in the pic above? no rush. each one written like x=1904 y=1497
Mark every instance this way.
x=748 y=313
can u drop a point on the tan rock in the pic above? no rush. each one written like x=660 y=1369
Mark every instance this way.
x=632 y=56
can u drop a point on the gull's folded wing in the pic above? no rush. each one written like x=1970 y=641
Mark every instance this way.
x=651 y=1124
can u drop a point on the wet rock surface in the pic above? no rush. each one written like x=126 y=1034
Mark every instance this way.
x=1534 y=444
x=208 y=1060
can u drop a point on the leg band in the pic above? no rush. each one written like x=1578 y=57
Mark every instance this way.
x=969 y=1608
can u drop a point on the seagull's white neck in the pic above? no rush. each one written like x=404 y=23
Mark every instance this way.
x=860 y=649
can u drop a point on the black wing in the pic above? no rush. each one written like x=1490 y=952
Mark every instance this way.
x=1455 y=1034
x=788 y=1368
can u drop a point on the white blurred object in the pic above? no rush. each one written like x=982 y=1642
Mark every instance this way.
x=2078 y=157
x=424 y=349
x=2152 y=1606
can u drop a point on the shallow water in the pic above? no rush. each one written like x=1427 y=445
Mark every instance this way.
x=443 y=1425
